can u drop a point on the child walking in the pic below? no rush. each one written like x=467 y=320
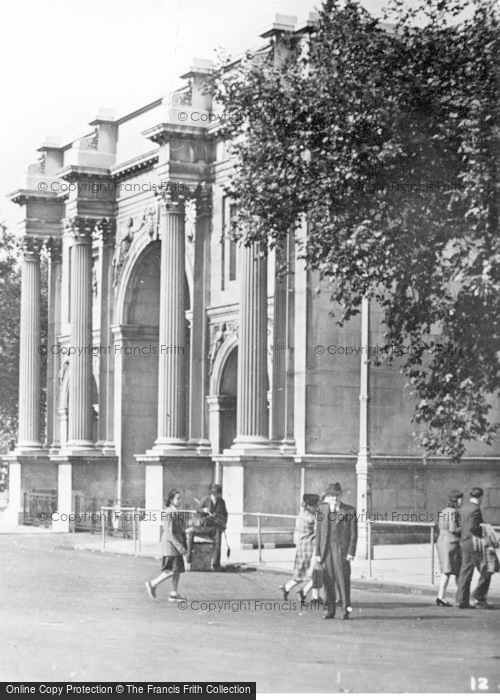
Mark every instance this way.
x=173 y=548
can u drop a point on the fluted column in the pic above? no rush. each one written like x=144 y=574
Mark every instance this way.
x=282 y=386
x=252 y=413
x=171 y=389
x=80 y=368
x=29 y=347
x=198 y=429
x=104 y=234
x=278 y=428
x=53 y=249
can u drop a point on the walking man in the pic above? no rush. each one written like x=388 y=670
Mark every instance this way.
x=336 y=537
x=470 y=520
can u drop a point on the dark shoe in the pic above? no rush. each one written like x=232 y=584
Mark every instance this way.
x=329 y=615
x=285 y=592
x=301 y=597
x=465 y=606
x=317 y=601
x=345 y=615
x=444 y=603
x=483 y=604
x=150 y=589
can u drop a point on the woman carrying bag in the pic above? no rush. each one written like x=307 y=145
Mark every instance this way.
x=304 y=539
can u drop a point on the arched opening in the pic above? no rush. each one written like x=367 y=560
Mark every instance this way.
x=227 y=401
x=136 y=368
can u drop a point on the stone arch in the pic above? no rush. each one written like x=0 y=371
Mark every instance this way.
x=227 y=347
x=140 y=243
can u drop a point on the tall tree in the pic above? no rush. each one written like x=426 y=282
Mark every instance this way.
x=10 y=303
x=385 y=138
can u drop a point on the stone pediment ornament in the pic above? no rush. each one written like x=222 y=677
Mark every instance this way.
x=121 y=251
x=62 y=371
x=217 y=341
x=38 y=168
x=148 y=223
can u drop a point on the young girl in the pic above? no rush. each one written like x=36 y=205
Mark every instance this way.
x=173 y=547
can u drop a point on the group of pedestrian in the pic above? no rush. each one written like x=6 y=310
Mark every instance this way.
x=466 y=542
x=327 y=535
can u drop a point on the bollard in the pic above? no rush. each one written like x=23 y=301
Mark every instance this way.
x=260 y=539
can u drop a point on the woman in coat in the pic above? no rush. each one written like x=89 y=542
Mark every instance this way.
x=173 y=547
x=448 y=544
x=304 y=534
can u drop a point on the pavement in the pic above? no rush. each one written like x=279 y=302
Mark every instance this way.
x=399 y=568
x=71 y=614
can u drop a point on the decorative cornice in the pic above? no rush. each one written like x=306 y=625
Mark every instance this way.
x=22 y=196
x=135 y=165
x=72 y=173
x=163 y=133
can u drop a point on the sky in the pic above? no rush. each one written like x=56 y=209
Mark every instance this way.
x=62 y=60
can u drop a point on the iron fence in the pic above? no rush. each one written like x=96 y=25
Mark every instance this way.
x=38 y=507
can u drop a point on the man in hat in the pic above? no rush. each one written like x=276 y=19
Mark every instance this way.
x=336 y=537
x=471 y=520
x=213 y=511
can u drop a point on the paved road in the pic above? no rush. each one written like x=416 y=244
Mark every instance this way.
x=82 y=616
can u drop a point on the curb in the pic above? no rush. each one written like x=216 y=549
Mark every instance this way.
x=378 y=586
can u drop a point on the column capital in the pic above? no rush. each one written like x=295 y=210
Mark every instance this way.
x=203 y=200
x=80 y=228
x=172 y=202
x=104 y=231
x=52 y=248
x=31 y=248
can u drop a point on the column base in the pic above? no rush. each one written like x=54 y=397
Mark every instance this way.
x=265 y=483
x=285 y=447
x=187 y=471
x=86 y=481
x=167 y=445
x=251 y=444
x=201 y=447
x=30 y=472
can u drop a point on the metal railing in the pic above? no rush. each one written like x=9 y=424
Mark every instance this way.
x=390 y=525
x=137 y=515
x=38 y=502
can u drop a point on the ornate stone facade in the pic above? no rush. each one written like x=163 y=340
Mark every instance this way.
x=175 y=358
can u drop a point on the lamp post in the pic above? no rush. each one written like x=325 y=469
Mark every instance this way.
x=364 y=463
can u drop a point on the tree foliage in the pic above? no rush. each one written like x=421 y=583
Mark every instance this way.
x=10 y=304
x=385 y=138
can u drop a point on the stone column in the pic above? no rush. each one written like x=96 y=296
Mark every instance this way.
x=80 y=380
x=53 y=249
x=282 y=386
x=364 y=463
x=104 y=233
x=171 y=389
x=198 y=429
x=252 y=414
x=29 y=348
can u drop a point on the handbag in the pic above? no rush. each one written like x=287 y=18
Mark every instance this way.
x=317 y=576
